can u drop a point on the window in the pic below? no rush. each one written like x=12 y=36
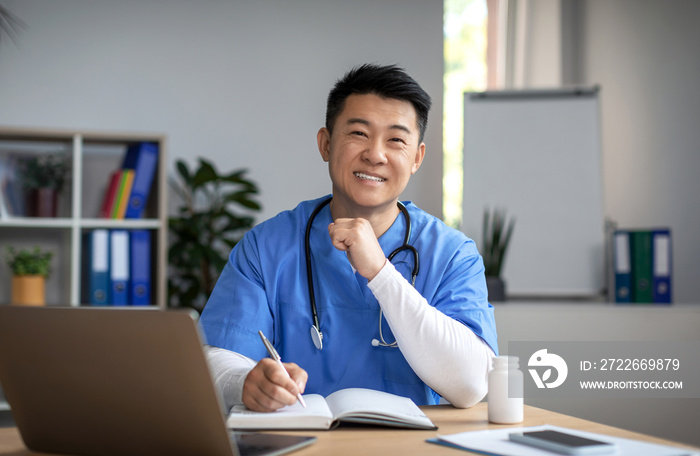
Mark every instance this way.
x=465 y=32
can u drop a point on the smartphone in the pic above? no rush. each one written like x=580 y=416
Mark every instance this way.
x=563 y=443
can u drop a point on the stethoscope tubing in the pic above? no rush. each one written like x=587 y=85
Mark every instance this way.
x=307 y=251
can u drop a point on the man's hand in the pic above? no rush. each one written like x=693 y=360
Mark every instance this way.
x=267 y=388
x=356 y=237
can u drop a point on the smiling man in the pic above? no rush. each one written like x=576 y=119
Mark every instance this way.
x=356 y=289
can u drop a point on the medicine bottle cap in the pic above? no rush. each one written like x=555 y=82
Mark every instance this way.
x=508 y=362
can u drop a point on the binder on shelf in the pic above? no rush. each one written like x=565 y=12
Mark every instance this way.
x=99 y=278
x=622 y=262
x=119 y=267
x=140 y=288
x=143 y=159
x=110 y=194
x=641 y=248
x=4 y=212
x=126 y=181
x=85 y=260
x=661 y=277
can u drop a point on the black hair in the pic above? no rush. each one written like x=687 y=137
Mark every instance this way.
x=386 y=81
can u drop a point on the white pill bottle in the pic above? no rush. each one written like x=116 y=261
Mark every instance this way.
x=505 y=396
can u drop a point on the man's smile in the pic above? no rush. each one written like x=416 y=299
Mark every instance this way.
x=368 y=177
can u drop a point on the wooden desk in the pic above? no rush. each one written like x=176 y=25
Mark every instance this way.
x=368 y=441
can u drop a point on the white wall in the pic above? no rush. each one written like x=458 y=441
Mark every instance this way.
x=644 y=54
x=240 y=82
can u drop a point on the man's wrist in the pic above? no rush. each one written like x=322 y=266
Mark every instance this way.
x=386 y=260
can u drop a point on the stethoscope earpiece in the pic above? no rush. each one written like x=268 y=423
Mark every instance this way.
x=316 y=334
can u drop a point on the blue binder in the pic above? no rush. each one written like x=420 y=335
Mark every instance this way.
x=119 y=267
x=99 y=267
x=140 y=288
x=622 y=260
x=143 y=159
x=661 y=278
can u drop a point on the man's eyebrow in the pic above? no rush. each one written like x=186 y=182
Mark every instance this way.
x=359 y=120
x=400 y=127
x=355 y=120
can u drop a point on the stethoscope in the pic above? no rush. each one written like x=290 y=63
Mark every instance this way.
x=316 y=334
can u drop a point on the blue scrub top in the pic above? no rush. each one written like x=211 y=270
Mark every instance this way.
x=263 y=287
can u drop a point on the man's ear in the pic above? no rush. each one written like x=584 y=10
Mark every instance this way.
x=420 y=154
x=323 y=137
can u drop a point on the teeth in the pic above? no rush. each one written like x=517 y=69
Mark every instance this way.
x=368 y=177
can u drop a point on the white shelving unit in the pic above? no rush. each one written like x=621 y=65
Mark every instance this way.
x=94 y=155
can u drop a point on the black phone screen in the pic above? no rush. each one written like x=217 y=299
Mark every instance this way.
x=565 y=439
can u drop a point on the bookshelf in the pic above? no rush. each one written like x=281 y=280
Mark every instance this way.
x=93 y=156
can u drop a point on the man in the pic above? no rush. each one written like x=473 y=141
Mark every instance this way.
x=443 y=328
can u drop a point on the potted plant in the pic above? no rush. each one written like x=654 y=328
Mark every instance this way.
x=205 y=229
x=43 y=176
x=497 y=230
x=30 y=268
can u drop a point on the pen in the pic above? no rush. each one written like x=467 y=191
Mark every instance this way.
x=276 y=356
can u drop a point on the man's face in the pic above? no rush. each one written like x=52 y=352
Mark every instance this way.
x=373 y=151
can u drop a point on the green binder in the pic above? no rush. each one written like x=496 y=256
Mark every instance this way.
x=642 y=266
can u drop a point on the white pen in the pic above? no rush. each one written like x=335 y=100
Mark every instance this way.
x=276 y=356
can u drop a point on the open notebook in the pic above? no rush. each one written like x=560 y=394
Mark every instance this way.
x=116 y=381
x=351 y=405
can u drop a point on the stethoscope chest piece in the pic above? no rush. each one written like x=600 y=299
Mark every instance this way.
x=316 y=337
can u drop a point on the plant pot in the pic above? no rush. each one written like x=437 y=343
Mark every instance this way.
x=29 y=290
x=42 y=202
x=496 y=288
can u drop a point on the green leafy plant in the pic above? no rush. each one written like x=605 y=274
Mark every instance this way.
x=497 y=231
x=205 y=229
x=29 y=262
x=45 y=171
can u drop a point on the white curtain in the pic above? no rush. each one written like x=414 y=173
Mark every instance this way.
x=527 y=52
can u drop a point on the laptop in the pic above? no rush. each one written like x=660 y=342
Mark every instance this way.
x=115 y=382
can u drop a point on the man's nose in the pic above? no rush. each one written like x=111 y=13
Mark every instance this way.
x=375 y=153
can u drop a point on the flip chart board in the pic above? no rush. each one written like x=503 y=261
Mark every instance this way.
x=536 y=154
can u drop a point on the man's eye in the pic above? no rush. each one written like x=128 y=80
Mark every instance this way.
x=358 y=133
x=399 y=140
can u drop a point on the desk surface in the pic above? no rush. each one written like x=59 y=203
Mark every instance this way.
x=382 y=441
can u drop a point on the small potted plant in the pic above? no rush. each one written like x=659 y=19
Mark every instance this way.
x=30 y=268
x=497 y=232
x=43 y=176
